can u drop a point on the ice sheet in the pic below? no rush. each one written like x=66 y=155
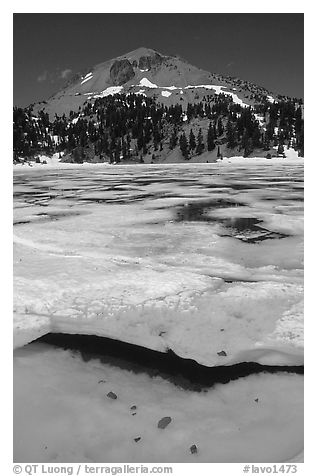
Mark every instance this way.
x=195 y=258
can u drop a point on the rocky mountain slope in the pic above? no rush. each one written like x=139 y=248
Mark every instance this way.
x=148 y=107
x=169 y=79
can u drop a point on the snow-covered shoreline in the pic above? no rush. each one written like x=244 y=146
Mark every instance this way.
x=291 y=158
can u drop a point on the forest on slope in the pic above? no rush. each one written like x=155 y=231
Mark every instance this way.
x=128 y=127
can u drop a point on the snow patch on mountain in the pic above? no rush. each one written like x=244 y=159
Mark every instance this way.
x=109 y=91
x=171 y=87
x=235 y=98
x=87 y=78
x=220 y=90
x=145 y=82
x=141 y=92
x=217 y=88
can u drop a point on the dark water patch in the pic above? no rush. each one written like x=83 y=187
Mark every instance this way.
x=197 y=211
x=185 y=373
x=155 y=180
x=234 y=280
x=286 y=199
x=241 y=224
x=245 y=186
x=21 y=222
x=249 y=230
x=131 y=198
x=246 y=229
x=119 y=200
x=251 y=185
x=31 y=193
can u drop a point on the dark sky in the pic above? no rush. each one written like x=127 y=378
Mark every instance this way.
x=267 y=49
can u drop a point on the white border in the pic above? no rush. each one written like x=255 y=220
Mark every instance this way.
x=141 y=6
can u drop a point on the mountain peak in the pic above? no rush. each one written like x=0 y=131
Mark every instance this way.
x=171 y=79
x=142 y=51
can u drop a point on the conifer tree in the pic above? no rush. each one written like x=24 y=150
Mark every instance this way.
x=248 y=147
x=192 y=141
x=231 y=142
x=200 y=143
x=128 y=146
x=140 y=140
x=183 y=143
x=117 y=152
x=124 y=148
x=210 y=138
x=266 y=141
x=220 y=127
x=280 y=148
x=173 y=140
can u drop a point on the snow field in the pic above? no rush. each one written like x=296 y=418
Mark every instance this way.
x=62 y=419
x=87 y=78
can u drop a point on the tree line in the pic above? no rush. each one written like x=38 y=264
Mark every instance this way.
x=124 y=127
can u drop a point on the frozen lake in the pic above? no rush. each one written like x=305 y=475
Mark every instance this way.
x=204 y=260
x=200 y=259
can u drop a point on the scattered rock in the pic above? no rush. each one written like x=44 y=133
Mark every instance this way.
x=112 y=395
x=193 y=449
x=133 y=413
x=137 y=439
x=134 y=407
x=164 y=422
x=256 y=400
x=221 y=330
x=222 y=353
x=162 y=333
x=102 y=381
